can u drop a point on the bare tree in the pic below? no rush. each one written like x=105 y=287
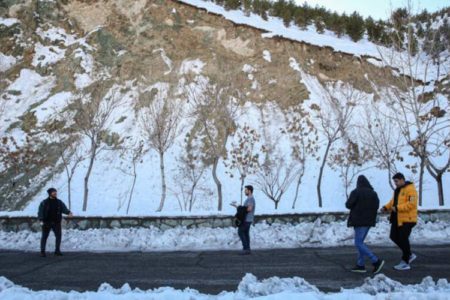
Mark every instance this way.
x=420 y=113
x=189 y=178
x=159 y=123
x=334 y=116
x=134 y=155
x=381 y=135
x=93 y=116
x=242 y=156
x=348 y=161
x=214 y=108
x=304 y=138
x=274 y=177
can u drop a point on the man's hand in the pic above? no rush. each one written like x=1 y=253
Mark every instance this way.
x=394 y=209
x=70 y=215
x=383 y=210
x=234 y=203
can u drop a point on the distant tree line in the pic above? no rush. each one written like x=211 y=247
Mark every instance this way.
x=355 y=26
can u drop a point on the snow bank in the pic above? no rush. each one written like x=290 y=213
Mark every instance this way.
x=249 y=288
x=6 y=62
x=263 y=236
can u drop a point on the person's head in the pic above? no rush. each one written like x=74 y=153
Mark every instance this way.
x=363 y=182
x=248 y=190
x=52 y=192
x=399 y=180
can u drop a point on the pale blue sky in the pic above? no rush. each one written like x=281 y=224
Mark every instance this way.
x=376 y=8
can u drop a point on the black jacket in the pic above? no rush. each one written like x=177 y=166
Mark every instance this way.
x=44 y=210
x=239 y=217
x=363 y=204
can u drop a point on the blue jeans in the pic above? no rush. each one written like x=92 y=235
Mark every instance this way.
x=244 y=234
x=363 y=250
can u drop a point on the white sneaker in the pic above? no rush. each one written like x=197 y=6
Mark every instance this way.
x=402 y=266
x=412 y=258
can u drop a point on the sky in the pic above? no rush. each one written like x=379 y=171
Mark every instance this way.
x=377 y=9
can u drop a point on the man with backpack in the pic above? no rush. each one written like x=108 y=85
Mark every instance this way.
x=244 y=218
x=50 y=215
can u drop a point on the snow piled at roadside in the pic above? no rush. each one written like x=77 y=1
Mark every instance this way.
x=263 y=236
x=380 y=287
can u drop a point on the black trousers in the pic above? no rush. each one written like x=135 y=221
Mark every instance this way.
x=244 y=234
x=400 y=236
x=46 y=228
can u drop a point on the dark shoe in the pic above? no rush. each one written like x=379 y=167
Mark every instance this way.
x=378 y=266
x=43 y=254
x=245 y=252
x=58 y=253
x=359 y=269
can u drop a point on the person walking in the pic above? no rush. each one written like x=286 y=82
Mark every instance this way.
x=244 y=227
x=50 y=216
x=363 y=203
x=403 y=210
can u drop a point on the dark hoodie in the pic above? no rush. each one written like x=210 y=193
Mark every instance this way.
x=363 y=204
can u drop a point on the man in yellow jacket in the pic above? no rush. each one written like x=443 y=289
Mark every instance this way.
x=403 y=209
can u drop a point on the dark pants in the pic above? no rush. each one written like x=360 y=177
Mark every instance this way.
x=400 y=236
x=46 y=228
x=244 y=234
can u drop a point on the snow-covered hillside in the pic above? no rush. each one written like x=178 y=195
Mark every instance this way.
x=142 y=58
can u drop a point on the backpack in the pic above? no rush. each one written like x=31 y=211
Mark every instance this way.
x=239 y=217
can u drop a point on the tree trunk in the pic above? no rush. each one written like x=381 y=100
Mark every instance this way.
x=319 y=181
x=422 y=171
x=242 y=187
x=218 y=184
x=132 y=188
x=163 y=181
x=297 y=188
x=276 y=204
x=440 y=189
x=88 y=174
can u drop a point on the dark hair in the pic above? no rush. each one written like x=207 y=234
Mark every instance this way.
x=51 y=190
x=250 y=188
x=399 y=176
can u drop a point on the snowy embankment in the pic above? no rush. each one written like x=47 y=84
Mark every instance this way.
x=380 y=287
x=263 y=236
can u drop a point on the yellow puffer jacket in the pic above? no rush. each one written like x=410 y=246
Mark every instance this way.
x=406 y=206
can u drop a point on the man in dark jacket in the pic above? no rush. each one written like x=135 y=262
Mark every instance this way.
x=50 y=215
x=363 y=204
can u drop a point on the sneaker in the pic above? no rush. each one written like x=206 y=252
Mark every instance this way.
x=402 y=266
x=412 y=258
x=245 y=252
x=378 y=266
x=58 y=253
x=359 y=269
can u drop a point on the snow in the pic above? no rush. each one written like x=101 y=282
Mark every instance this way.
x=267 y=56
x=274 y=27
x=250 y=287
x=52 y=107
x=33 y=88
x=47 y=55
x=8 y=22
x=6 y=62
x=263 y=236
x=195 y=66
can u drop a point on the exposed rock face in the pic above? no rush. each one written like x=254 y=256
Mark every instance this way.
x=141 y=45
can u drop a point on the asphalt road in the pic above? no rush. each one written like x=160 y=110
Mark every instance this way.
x=210 y=271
